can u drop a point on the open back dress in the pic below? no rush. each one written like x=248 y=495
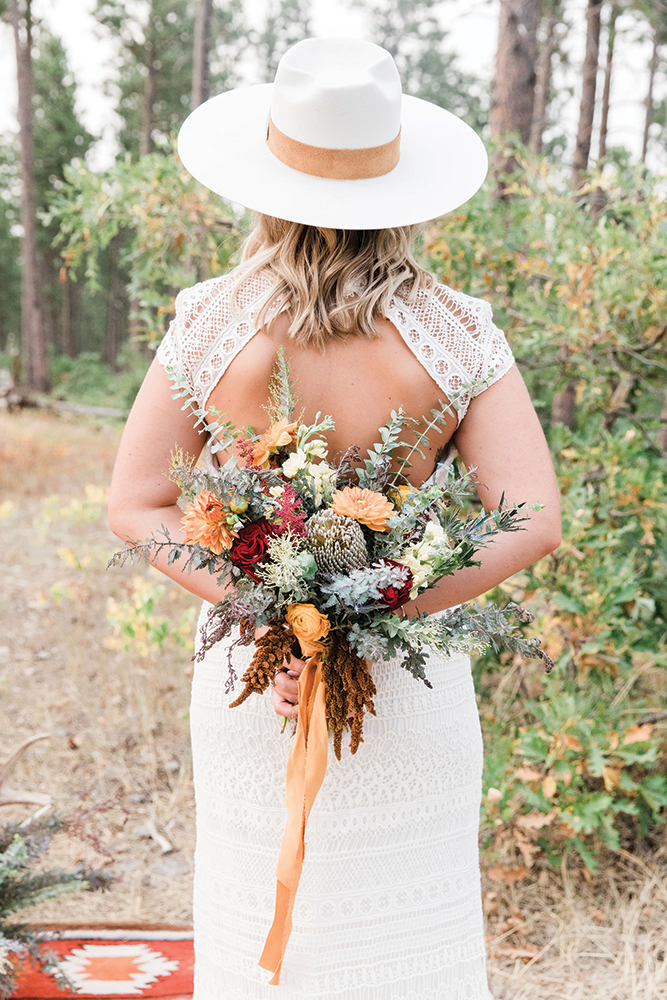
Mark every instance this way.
x=389 y=903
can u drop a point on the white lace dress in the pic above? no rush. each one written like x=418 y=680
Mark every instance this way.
x=389 y=902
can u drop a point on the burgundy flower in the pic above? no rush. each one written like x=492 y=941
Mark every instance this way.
x=394 y=597
x=251 y=546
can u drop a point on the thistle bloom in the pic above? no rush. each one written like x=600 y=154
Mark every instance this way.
x=277 y=436
x=205 y=521
x=370 y=508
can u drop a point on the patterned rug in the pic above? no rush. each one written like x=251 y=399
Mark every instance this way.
x=115 y=961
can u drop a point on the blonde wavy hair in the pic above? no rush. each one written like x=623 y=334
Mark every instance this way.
x=334 y=282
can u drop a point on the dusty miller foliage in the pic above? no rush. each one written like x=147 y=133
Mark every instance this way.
x=359 y=590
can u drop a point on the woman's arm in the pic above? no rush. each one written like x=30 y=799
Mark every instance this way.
x=501 y=437
x=142 y=497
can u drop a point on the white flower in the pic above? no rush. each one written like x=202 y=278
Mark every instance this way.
x=316 y=448
x=297 y=460
x=419 y=569
x=321 y=471
x=322 y=475
x=419 y=556
x=435 y=534
x=276 y=491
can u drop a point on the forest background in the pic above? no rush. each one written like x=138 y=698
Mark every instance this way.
x=568 y=240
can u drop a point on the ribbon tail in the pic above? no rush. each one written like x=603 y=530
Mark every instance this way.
x=306 y=768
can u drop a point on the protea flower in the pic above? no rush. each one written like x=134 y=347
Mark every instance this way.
x=336 y=542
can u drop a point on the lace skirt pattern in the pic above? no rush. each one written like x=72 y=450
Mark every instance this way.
x=389 y=903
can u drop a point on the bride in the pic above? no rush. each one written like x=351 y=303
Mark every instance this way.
x=339 y=168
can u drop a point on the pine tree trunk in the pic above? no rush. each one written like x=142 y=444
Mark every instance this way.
x=604 y=119
x=514 y=81
x=543 y=81
x=35 y=366
x=200 y=56
x=146 y=140
x=589 y=81
x=649 y=96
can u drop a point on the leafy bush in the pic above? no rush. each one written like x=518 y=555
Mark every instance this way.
x=86 y=379
x=171 y=232
x=577 y=759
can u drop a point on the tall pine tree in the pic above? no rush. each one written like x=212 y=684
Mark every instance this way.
x=154 y=45
x=35 y=365
x=59 y=139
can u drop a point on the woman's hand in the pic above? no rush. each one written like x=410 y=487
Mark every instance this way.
x=285 y=691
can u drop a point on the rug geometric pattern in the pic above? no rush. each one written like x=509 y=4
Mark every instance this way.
x=114 y=963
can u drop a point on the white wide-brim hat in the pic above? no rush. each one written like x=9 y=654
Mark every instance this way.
x=334 y=142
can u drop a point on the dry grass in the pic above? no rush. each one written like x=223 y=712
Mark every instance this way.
x=119 y=738
x=581 y=938
x=118 y=720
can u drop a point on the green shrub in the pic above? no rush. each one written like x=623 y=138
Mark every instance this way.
x=580 y=289
x=86 y=379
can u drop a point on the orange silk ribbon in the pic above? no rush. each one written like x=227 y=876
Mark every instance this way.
x=306 y=768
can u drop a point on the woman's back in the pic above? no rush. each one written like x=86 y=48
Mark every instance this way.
x=426 y=353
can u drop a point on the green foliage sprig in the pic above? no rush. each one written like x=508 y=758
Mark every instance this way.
x=21 y=845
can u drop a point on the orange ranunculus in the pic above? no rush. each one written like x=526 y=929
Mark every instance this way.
x=371 y=508
x=277 y=436
x=205 y=521
x=308 y=626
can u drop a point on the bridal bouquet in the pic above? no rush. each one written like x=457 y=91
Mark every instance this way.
x=325 y=553
x=322 y=554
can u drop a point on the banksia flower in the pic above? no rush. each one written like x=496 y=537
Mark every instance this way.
x=336 y=542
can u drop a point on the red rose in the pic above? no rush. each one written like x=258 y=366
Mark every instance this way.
x=394 y=597
x=251 y=546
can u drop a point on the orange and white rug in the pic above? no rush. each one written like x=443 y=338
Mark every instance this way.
x=114 y=962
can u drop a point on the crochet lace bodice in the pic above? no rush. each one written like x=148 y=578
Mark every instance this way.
x=452 y=334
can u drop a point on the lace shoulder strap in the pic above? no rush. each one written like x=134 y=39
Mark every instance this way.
x=456 y=340
x=206 y=334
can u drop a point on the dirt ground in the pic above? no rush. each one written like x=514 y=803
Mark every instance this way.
x=99 y=659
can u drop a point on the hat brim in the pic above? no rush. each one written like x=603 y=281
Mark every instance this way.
x=443 y=163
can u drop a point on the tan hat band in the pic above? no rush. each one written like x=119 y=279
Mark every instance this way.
x=336 y=164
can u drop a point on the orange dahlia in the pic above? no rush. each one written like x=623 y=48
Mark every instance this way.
x=277 y=436
x=205 y=521
x=370 y=508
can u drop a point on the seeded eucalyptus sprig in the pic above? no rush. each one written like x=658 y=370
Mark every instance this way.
x=209 y=419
